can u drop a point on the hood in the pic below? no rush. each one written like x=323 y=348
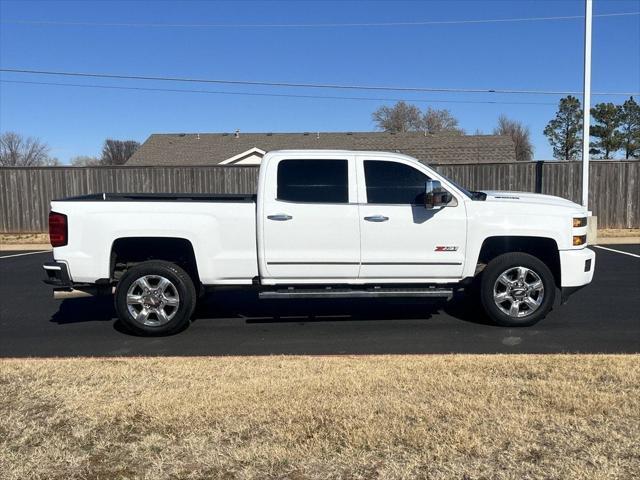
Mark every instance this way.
x=531 y=198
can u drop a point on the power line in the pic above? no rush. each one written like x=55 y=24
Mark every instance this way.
x=306 y=85
x=307 y=25
x=286 y=95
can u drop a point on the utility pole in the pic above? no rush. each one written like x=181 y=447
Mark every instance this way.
x=586 y=103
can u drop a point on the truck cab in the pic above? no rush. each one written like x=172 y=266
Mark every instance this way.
x=325 y=224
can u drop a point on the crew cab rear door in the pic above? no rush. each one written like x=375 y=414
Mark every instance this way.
x=309 y=219
x=400 y=238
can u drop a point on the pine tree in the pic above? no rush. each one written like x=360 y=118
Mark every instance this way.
x=629 y=113
x=607 y=118
x=563 y=131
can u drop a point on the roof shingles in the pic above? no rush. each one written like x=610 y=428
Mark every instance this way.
x=213 y=148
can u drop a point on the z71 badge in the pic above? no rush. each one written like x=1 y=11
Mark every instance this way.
x=442 y=248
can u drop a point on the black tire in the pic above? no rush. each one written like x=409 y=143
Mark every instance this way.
x=521 y=293
x=181 y=291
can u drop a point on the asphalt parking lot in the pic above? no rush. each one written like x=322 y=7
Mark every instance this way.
x=602 y=318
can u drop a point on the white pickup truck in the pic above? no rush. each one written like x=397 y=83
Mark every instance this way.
x=324 y=224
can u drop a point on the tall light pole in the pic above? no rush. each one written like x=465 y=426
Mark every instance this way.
x=586 y=103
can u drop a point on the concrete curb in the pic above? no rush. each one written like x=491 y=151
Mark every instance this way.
x=8 y=247
x=617 y=240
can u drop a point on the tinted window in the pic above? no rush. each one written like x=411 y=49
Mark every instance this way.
x=315 y=181
x=392 y=182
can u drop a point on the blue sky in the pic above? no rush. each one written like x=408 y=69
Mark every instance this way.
x=543 y=55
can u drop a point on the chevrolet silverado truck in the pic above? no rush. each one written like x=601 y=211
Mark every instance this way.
x=324 y=224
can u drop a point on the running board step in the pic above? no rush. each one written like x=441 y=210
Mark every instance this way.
x=352 y=293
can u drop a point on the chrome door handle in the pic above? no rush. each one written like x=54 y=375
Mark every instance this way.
x=376 y=218
x=280 y=217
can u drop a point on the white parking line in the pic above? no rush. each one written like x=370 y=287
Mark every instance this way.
x=616 y=251
x=21 y=254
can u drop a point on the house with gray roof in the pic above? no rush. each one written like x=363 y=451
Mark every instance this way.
x=248 y=148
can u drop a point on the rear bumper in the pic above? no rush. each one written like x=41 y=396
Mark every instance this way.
x=57 y=274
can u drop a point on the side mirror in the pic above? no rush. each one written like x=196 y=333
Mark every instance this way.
x=434 y=195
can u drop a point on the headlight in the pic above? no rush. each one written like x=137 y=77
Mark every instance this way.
x=579 y=240
x=579 y=222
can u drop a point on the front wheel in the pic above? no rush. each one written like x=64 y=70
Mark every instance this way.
x=155 y=298
x=517 y=290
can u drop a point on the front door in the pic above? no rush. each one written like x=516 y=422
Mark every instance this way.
x=400 y=238
x=310 y=220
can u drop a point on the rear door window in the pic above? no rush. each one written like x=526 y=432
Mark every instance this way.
x=313 y=181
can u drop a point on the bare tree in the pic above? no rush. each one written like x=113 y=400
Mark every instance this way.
x=440 y=121
x=18 y=151
x=402 y=117
x=519 y=134
x=85 y=161
x=52 y=162
x=117 y=152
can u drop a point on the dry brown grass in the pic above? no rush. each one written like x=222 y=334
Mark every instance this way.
x=23 y=238
x=618 y=232
x=384 y=417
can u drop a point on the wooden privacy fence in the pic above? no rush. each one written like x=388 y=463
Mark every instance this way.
x=25 y=193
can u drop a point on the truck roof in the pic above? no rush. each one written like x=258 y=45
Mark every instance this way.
x=324 y=152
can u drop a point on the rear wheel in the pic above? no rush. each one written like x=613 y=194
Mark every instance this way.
x=155 y=298
x=517 y=290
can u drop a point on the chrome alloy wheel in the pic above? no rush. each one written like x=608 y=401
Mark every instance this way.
x=152 y=300
x=518 y=292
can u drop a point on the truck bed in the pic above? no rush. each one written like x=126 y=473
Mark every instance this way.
x=221 y=231
x=161 y=197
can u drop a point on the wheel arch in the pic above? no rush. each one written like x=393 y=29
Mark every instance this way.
x=543 y=248
x=129 y=251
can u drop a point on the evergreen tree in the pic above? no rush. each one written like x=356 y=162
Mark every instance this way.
x=629 y=113
x=563 y=131
x=607 y=118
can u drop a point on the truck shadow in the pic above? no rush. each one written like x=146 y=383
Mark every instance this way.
x=245 y=304
x=240 y=303
x=89 y=309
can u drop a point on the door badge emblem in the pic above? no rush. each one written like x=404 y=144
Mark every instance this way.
x=446 y=248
